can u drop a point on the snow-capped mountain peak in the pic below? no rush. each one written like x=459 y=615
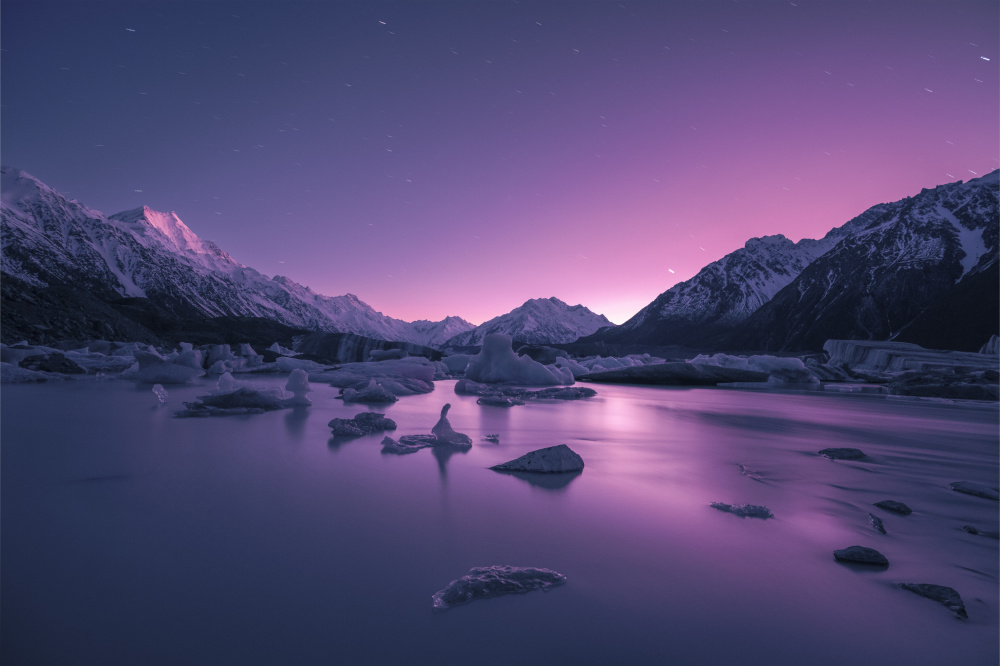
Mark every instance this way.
x=538 y=321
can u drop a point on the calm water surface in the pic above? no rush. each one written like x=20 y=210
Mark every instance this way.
x=132 y=537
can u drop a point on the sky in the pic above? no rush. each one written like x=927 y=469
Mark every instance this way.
x=460 y=158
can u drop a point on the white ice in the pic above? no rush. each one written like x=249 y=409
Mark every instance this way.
x=498 y=364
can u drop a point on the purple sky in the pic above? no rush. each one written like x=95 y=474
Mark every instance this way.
x=459 y=158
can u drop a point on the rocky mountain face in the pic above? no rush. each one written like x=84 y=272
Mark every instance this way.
x=70 y=271
x=898 y=271
x=539 y=321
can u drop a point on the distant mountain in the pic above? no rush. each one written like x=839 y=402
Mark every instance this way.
x=538 y=321
x=887 y=274
x=897 y=276
x=70 y=271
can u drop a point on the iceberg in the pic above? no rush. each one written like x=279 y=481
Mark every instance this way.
x=160 y=393
x=444 y=432
x=298 y=386
x=779 y=370
x=484 y=582
x=401 y=377
x=550 y=460
x=14 y=374
x=498 y=364
x=507 y=396
x=153 y=369
x=372 y=392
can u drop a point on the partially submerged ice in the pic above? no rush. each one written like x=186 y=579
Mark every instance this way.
x=550 y=460
x=365 y=423
x=372 y=393
x=484 y=582
x=246 y=400
x=498 y=364
x=744 y=510
x=446 y=434
x=508 y=396
x=780 y=370
x=946 y=596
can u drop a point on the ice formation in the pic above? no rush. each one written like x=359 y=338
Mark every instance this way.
x=298 y=386
x=386 y=354
x=287 y=364
x=779 y=370
x=401 y=377
x=373 y=392
x=153 y=369
x=456 y=363
x=484 y=582
x=901 y=356
x=744 y=510
x=13 y=374
x=444 y=432
x=946 y=596
x=364 y=423
x=405 y=445
x=550 y=460
x=160 y=393
x=278 y=349
x=498 y=364
x=507 y=396
x=861 y=555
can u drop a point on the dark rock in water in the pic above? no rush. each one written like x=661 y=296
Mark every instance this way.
x=976 y=489
x=861 y=555
x=744 y=510
x=550 y=460
x=364 y=423
x=946 y=596
x=675 y=374
x=498 y=401
x=876 y=523
x=484 y=582
x=445 y=434
x=408 y=444
x=895 y=507
x=240 y=401
x=52 y=362
x=974 y=530
x=843 y=454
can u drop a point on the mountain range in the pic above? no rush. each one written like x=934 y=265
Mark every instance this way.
x=71 y=272
x=923 y=269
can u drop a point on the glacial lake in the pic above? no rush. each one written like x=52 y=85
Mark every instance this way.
x=132 y=537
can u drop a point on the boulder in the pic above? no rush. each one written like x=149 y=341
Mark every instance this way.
x=484 y=582
x=843 y=454
x=550 y=460
x=744 y=510
x=975 y=489
x=876 y=523
x=364 y=423
x=895 y=507
x=861 y=555
x=946 y=596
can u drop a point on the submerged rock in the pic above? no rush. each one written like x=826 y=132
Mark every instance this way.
x=861 y=555
x=508 y=396
x=975 y=530
x=550 y=460
x=895 y=507
x=946 y=596
x=876 y=523
x=402 y=447
x=843 y=454
x=484 y=582
x=498 y=401
x=975 y=489
x=744 y=510
x=241 y=401
x=364 y=423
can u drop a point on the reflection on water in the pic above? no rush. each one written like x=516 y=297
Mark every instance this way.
x=133 y=537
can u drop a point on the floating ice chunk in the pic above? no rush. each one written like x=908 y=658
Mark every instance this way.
x=780 y=370
x=186 y=346
x=576 y=368
x=298 y=385
x=861 y=555
x=444 y=432
x=492 y=437
x=975 y=489
x=17 y=353
x=218 y=353
x=241 y=401
x=876 y=523
x=160 y=392
x=946 y=596
x=278 y=349
x=744 y=510
x=456 y=363
x=226 y=383
x=407 y=376
x=373 y=392
x=364 y=423
x=154 y=370
x=191 y=358
x=409 y=444
x=484 y=582
x=499 y=401
x=498 y=364
x=287 y=364
x=13 y=374
x=550 y=460
x=246 y=349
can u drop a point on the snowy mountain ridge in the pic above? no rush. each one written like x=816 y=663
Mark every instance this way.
x=49 y=240
x=537 y=321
